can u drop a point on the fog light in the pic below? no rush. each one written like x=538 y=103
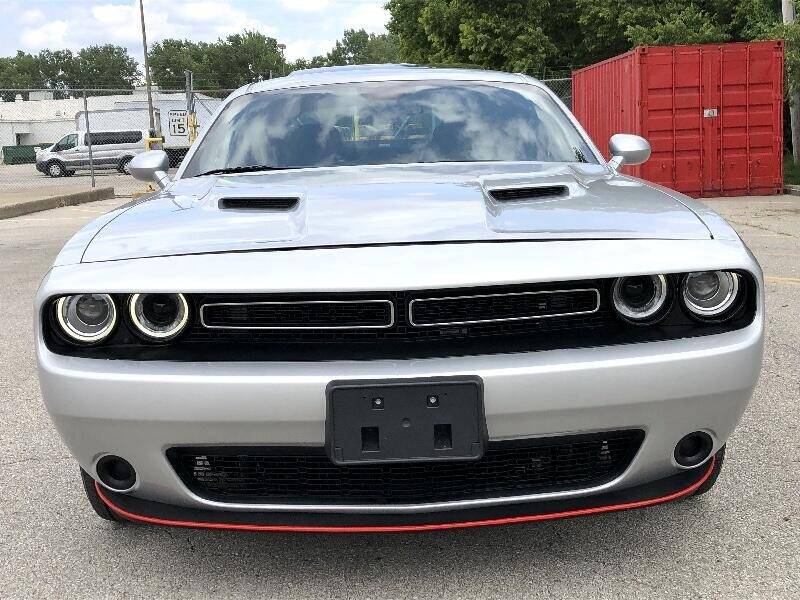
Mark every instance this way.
x=116 y=473
x=693 y=449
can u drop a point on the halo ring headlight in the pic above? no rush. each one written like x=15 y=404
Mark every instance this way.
x=86 y=318
x=158 y=317
x=640 y=298
x=710 y=294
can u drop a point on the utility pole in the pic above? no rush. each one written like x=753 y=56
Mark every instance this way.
x=191 y=117
x=794 y=99
x=147 y=71
x=282 y=48
x=88 y=135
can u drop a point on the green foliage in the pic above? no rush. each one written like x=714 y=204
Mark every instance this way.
x=513 y=36
x=105 y=66
x=251 y=56
x=170 y=58
x=546 y=36
x=227 y=63
x=687 y=24
x=357 y=47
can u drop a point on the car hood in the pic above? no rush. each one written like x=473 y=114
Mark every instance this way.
x=387 y=205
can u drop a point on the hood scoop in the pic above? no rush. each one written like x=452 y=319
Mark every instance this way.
x=535 y=192
x=260 y=204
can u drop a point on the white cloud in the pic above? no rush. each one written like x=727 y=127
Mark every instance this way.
x=371 y=17
x=305 y=5
x=307 y=47
x=307 y=27
x=51 y=34
x=29 y=17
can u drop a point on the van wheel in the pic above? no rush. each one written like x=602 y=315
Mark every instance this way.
x=56 y=169
x=122 y=167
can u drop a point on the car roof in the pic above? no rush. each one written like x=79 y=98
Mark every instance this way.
x=384 y=72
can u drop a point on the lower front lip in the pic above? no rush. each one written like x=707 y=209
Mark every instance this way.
x=153 y=513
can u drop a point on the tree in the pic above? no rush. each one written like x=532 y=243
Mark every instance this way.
x=227 y=63
x=521 y=35
x=19 y=72
x=92 y=67
x=170 y=58
x=106 y=66
x=357 y=47
x=534 y=35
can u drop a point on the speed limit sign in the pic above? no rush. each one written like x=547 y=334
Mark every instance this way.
x=178 y=123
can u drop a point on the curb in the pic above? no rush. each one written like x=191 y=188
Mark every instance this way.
x=40 y=204
x=792 y=190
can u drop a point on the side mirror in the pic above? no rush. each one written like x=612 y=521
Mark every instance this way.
x=151 y=166
x=627 y=149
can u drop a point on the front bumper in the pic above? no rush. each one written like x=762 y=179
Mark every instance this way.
x=154 y=513
x=139 y=410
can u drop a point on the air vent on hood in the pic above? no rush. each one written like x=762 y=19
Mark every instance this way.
x=258 y=203
x=529 y=193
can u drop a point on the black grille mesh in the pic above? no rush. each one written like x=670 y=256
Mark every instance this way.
x=296 y=475
x=499 y=307
x=403 y=339
x=299 y=315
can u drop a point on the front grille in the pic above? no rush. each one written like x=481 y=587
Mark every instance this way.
x=576 y=313
x=465 y=310
x=306 y=475
x=471 y=321
x=345 y=314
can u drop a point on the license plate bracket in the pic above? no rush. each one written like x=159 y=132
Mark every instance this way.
x=410 y=420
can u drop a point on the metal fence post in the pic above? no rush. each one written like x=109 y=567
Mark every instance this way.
x=88 y=135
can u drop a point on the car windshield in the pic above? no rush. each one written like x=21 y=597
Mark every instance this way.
x=396 y=122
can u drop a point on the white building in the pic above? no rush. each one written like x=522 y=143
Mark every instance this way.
x=43 y=120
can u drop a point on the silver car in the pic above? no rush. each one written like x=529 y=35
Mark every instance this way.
x=109 y=150
x=397 y=298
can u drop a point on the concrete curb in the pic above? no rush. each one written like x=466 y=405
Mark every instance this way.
x=792 y=190
x=39 y=204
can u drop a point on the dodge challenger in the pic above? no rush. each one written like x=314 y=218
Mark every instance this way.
x=397 y=298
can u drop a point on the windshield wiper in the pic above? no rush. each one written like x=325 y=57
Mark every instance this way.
x=579 y=154
x=243 y=169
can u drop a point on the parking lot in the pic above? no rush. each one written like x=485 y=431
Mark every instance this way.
x=740 y=541
x=22 y=179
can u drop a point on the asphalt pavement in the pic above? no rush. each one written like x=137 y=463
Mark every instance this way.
x=742 y=540
x=19 y=180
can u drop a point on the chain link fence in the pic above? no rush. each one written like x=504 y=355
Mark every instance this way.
x=562 y=87
x=55 y=142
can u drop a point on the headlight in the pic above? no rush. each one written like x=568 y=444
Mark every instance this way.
x=158 y=317
x=86 y=318
x=641 y=298
x=710 y=293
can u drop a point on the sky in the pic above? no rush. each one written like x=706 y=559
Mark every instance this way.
x=307 y=27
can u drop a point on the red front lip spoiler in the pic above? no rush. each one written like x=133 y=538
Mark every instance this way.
x=126 y=514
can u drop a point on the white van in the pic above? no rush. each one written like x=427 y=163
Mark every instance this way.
x=110 y=150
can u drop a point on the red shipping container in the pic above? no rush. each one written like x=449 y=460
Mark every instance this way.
x=713 y=114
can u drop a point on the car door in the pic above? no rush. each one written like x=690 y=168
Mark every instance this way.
x=82 y=152
x=67 y=150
